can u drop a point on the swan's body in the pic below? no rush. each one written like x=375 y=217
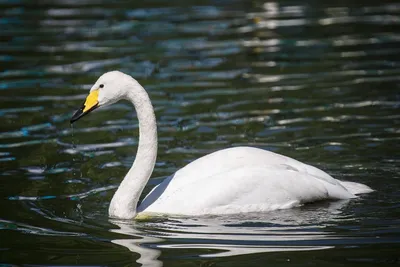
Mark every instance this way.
x=243 y=179
x=233 y=180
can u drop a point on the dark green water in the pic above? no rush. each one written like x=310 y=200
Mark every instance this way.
x=317 y=81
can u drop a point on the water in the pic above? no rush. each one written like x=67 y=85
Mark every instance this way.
x=317 y=81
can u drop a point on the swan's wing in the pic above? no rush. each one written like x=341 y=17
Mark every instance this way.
x=243 y=189
x=225 y=160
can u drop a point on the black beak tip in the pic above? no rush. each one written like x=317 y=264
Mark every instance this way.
x=77 y=115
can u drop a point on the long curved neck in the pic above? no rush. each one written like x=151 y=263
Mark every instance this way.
x=125 y=200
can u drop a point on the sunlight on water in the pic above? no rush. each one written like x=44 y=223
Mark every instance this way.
x=317 y=81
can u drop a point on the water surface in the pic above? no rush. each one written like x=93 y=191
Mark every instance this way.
x=317 y=81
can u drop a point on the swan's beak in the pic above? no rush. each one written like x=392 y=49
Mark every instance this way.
x=90 y=104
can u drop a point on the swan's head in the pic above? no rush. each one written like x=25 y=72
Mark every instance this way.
x=109 y=88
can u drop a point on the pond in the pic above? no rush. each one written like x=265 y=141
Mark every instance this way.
x=318 y=81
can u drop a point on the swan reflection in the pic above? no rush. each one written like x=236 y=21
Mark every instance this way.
x=148 y=256
x=300 y=229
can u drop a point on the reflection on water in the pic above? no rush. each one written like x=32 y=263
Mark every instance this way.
x=148 y=256
x=317 y=81
x=222 y=236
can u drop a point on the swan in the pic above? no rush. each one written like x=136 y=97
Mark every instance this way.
x=229 y=181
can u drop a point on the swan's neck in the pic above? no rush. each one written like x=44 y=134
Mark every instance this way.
x=125 y=200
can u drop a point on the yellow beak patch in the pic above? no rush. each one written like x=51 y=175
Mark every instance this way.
x=91 y=100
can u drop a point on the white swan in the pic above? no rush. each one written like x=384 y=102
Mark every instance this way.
x=232 y=180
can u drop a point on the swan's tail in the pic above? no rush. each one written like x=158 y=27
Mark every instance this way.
x=356 y=188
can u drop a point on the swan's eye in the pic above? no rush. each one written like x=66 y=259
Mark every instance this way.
x=101 y=85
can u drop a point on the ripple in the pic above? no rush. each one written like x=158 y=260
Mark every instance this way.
x=91 y=147
x=29 y=229
x=78 y=196
x=27 y=143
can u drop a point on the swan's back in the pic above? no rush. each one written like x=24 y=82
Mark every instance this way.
x=242 y=179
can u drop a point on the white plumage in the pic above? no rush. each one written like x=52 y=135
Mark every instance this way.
x=243 y=179
x=232 y=180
